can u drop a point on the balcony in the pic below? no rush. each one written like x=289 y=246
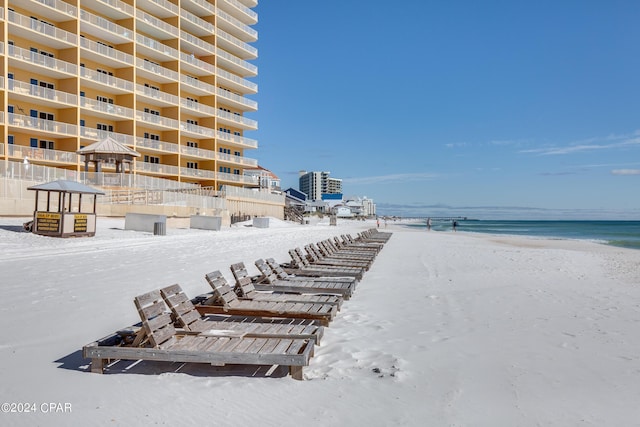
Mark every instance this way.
x=104 y=29
x=115 y=10
x=236 y=27
x=237 y=160
x=190 y=129
x=236 y=101
x=192 y=65
x=156 y=96
x=236 y=83
x=197 y=109
x=235 y=65
x=225 y=117
x=54 y=10
x=237 y=179
x=157 y=168
x=155 y=145
x=36 y=126
x=104 y=54
x=195 y=152
x=45 y=65
x=154 y=49
x=50 y=97
x=40 y=32
x=155 y=27
x=191 y=43
x=42 y=154
x=98 y=135
x=159 y=8
x=235 y=46
x=100 y=108
x=155 y=72
x=238 y=10
x=154 y=121
x=236 y=140
x=195 y=25
x=197 y=173
x=103 y=81
x=196 y=86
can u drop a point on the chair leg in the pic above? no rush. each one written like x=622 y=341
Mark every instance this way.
x=296 y=372
x=97 y=366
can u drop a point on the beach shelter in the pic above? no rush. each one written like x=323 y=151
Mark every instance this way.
x=63 y=213
x=108 y=150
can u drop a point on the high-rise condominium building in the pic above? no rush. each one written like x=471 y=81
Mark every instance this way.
x=168 y=78
x=315 y=184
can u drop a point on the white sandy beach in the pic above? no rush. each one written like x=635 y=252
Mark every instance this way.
x=446 y=329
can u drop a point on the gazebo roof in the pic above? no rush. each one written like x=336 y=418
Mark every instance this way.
x=65 y=186
x=108 y=146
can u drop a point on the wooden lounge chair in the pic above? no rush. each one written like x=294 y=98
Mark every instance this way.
x=225 y=301
x=245 y=289
x=329 y=248
x=162 y=342
x=300 y=265
x=187 y=317
x=316 y=257
x=283 y=275
x=346 y=242
x=335 y=290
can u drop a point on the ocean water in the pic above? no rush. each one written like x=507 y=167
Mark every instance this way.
x=616 y=233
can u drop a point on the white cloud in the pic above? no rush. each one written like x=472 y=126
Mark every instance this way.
x=626 y=172
x=590 y=145
x=393 y=178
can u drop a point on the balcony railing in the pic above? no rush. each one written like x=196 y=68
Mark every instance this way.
x=119 y=5
x=36 y=123
x=107 y=51
x=252 y=69
x=252 y=33
x=206 y=27
x=60 y=6
x=40 y=27
x=191 y=59
x=196 y=106
x=155 y=119
x=42 y=154
x=156 y=94
x=99 y=134
x=244 y=121
x=209 y=89
x=36 y=58
x=250 y=50
x=245 y=161
x=157 y=69
x=240 y=179
x=244 y=9
x=246 y=102
x=195 y=41
x=236 y=139
x=196 y=129
x=157 y=46
x=251 y=86
x=106 y=25
x=158 y=23
x=16 y=86
x=157 y=145
x=197 y=173
x=167 y=5
x=105 y=107
x=157 y=168
x=106 y=79
x=197 y=152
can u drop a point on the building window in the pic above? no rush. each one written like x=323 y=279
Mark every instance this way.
x=192 y=165
x=151 y=159
x=192 y=144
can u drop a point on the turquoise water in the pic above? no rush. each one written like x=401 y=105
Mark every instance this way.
x=617 y=233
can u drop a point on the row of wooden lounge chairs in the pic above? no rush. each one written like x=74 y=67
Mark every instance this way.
x=274 y=318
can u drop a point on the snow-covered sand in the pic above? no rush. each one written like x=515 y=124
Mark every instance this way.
x=446 y=329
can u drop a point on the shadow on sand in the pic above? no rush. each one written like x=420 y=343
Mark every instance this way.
x=75 y=362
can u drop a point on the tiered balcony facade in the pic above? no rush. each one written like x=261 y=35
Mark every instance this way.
x=158 y=77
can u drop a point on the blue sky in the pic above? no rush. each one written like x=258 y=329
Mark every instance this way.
x=483 y=108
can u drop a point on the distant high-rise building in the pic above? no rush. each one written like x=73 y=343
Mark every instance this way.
x=315 y=184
